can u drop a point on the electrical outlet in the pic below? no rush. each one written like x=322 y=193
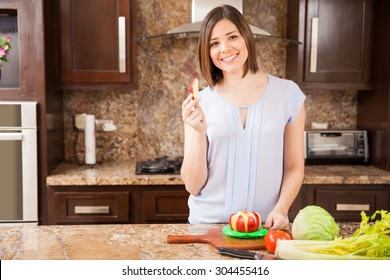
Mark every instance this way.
x=105 y=125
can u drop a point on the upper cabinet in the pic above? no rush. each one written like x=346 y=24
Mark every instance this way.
x=23 y=76
x=97 y=43
x=336 y=37
x=373 y=109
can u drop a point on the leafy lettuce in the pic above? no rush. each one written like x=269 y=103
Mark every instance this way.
x=314 y=223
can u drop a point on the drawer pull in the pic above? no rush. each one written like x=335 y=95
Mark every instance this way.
x=352 y=207
x=314 y=45
x=11 y=136
x=122 y=44
x=92 y=209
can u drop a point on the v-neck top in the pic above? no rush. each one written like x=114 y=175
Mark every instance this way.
x=245 y=164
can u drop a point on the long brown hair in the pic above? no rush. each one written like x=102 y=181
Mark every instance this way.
x=210 y=72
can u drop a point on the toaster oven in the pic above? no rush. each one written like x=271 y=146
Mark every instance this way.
x=336 y=147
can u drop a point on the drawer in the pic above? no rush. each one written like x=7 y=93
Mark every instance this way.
x=346 y=205
x=91 y=207
x=165 y=206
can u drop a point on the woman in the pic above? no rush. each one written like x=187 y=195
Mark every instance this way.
x=243 y=147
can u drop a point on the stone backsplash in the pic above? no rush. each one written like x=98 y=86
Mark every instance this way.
x=149 y=118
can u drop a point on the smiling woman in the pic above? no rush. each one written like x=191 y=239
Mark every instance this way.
x=226 y=22
x=228 y=51
x=243 y=144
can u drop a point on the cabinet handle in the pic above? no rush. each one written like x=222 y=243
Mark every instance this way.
x=314 y=45
x=11 y=136
x=92 y=209
x=352 y=207
x=122 y=44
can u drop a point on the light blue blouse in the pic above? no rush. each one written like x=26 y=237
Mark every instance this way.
x=245 y=164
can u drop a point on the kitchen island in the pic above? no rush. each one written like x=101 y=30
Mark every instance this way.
x=110 y=242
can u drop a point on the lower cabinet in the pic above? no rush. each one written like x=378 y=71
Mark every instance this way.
x=168 y=204
x=344 y=202
x=165 y=206
x=117 y=204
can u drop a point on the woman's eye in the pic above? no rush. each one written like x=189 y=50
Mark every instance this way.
x=233 y=37
x=213 y=44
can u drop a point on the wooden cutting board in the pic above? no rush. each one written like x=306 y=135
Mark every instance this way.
x=217 y=239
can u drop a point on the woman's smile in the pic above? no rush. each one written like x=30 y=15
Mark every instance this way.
x=228 y=50
x=229 y=58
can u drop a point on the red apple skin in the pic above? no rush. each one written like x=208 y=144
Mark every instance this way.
x=245 y=221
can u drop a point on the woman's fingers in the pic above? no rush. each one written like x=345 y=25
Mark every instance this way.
x=196 y=115
x=190 y=106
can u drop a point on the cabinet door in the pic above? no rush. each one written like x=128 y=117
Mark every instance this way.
x=336 y=49
x=165 y=206
x=373 y=108
x=98 y=43
x=23 y=76
x=299 y=203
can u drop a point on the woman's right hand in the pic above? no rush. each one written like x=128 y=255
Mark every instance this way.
x=194 y=167
x=193 y=114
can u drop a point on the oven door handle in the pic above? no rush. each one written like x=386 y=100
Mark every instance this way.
x=11 y=136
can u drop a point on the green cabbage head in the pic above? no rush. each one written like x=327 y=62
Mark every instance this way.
x=314 y=223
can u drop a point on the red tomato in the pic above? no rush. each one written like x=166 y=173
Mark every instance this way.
x=272 y=237
x=245 y=221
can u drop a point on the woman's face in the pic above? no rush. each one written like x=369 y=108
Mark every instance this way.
x=228 y=50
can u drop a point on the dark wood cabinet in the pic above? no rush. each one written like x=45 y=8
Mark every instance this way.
x=343 y=202
x=117 y=204
x=336 y=37
x=165 y=206
x=30 y=68
x=98 y=43
x=23 y=76
x=374 y=106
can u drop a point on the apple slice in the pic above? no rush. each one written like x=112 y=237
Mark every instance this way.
x=194 y=88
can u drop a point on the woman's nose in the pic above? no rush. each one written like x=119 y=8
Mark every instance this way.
x=225 y=46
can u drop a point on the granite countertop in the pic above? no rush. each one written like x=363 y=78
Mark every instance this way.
x=123 y=173
x=108 y=173
x=110 y=242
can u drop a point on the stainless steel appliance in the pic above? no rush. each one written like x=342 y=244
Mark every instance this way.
x=200 y=8
x=159 y=165
x=336 y=147
x=18 y=162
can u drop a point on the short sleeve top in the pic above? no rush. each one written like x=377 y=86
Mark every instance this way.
x=245 y=165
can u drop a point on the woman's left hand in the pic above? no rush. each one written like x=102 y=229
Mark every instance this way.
x=277 y=221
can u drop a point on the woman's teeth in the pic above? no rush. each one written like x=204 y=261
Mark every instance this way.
x=229 y=58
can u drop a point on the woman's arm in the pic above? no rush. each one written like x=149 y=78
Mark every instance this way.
x=293 y=173
x=194 y=167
